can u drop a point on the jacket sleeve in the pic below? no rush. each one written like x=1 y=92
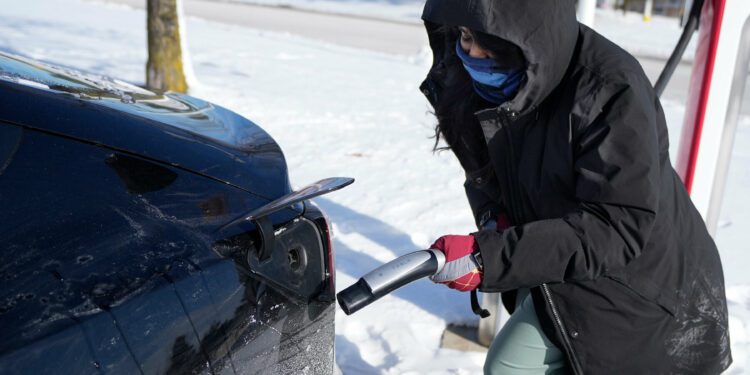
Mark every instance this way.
x=480 y=185
x=616 y=162
x=482 y=206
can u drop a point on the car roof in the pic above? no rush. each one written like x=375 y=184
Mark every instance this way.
x=176 y=129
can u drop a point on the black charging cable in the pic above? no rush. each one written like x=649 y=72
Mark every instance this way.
x=674 y=59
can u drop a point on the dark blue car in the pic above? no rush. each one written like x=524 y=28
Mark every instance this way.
x=152 y=233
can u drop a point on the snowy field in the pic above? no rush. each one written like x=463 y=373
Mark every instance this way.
x=344 y=112
x=407 y=11
x=609 y=23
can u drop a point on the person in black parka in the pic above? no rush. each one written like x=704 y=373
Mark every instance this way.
x=623 y=275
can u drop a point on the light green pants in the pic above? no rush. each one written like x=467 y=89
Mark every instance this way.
x=521 y=348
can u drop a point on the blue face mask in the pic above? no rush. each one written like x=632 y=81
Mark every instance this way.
x=491 y=82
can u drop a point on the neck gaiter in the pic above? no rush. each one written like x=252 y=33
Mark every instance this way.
x=491 y=82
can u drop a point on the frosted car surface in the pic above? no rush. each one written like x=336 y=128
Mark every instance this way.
x=117 y=255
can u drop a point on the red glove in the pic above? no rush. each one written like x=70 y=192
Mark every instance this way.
x=461 y=270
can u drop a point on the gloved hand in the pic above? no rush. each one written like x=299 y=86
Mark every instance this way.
x=461 y=270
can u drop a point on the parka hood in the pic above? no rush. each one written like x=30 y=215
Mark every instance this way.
x=545 y=30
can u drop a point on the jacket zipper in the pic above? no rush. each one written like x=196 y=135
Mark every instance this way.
x=557 y=321
x=511 y=173
x=559 y=325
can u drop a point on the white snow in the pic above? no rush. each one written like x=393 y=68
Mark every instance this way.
x=408 y=11
x=187 y=61
x=344 y=112
x=656 y=37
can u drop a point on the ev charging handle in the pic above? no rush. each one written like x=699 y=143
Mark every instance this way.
x=389 y=277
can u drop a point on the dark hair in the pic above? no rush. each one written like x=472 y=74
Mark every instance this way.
x=458 y=102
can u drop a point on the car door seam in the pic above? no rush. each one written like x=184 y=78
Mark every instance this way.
x=190 y=320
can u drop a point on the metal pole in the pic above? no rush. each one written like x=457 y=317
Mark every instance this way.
x=647 y=9
x=490 y=326
x=731 y=124
x=586 y=12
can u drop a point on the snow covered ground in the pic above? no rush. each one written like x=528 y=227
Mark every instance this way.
x=343 y=112
x=629 y=31
x=394 y=10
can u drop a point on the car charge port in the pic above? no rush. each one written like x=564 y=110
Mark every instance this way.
x=297 y=259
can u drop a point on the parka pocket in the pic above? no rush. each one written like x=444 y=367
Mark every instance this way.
x=646 y=289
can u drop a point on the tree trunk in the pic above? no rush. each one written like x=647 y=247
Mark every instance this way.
x=648 y=9
x=164 y=69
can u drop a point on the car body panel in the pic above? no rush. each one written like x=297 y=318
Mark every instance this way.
x=114 y=253
x=176 y=129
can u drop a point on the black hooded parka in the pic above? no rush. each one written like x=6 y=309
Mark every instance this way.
x=624 y=275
